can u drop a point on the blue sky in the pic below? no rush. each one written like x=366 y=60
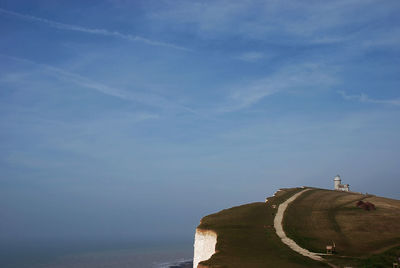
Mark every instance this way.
x=130 y=119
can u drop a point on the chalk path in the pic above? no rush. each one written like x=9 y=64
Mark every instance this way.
x=281 y=233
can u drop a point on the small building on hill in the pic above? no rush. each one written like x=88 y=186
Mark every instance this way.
x=339 y=186
x=365 y=205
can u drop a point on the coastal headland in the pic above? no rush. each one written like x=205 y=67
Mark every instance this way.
x=315 y=220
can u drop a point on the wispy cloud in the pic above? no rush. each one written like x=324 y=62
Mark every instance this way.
x=364 y=98
x=250 y=56
x=104 y=32
x=82 y=81
x=250 y=94
x=295 y=78
x=321 y=23
x=70 y=77
x=80 y=137
x=387 y=39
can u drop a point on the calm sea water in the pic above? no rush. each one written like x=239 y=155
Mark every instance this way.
x=67 y=255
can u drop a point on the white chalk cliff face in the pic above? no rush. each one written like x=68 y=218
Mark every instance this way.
x=204 y=245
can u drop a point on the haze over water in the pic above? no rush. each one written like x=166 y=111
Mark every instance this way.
x=122 y=123
x=80 y=253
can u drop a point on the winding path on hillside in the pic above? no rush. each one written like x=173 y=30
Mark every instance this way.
x=281 y=233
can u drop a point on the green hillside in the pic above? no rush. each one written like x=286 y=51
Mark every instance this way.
x=247 y=238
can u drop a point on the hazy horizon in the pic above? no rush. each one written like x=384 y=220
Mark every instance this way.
x=131 y=120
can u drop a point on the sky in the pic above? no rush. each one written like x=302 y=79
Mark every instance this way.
x=134 y=119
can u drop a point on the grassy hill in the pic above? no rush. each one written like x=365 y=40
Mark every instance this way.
x=328 y=216
x=247 y=238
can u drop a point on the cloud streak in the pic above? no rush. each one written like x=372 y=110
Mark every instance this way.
x=79 y=80
x=308 y=76
x=364 y=98
x=104 y=32
x=284 y=22
x=250 y=56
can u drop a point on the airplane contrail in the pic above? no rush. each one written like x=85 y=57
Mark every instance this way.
x=104 y=32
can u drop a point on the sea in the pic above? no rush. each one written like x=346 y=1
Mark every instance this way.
x=99 y=255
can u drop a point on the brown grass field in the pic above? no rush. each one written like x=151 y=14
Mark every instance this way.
x=318 y=217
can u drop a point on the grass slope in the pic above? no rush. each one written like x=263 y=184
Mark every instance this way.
x=371 y=238
x=247 y=238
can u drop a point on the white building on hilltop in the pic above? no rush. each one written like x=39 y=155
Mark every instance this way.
x=339 y=186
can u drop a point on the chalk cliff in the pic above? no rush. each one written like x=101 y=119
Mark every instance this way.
x=204 y=245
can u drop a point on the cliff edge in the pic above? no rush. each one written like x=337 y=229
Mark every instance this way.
x=245 y=236
x=204 y=245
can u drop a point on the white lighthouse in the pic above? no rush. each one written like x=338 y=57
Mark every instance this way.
x=339 y=186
